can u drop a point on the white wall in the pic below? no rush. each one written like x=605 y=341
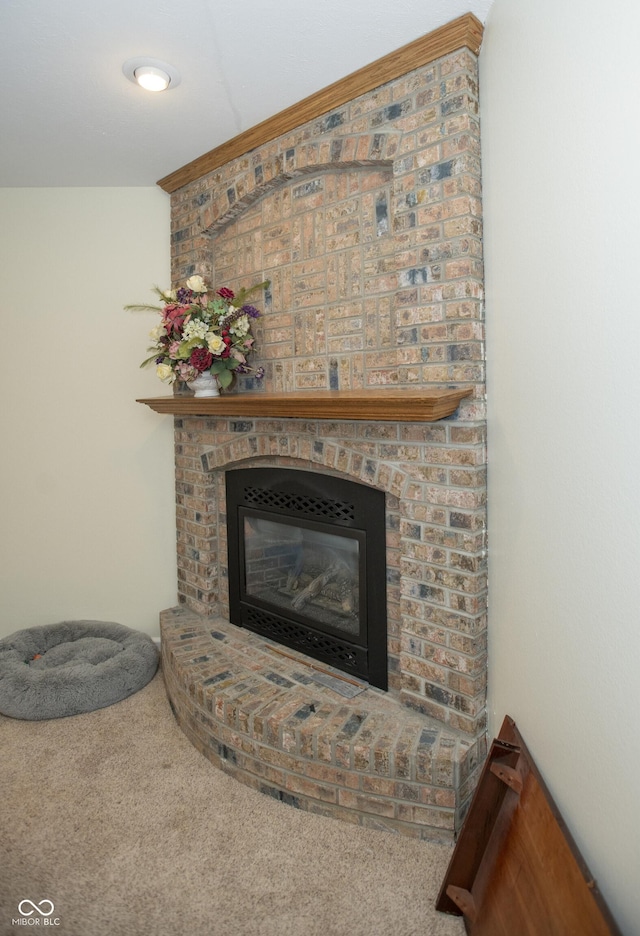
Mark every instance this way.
x=561 y=137
x=88 y=527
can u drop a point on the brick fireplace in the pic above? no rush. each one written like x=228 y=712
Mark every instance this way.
x=366 y=220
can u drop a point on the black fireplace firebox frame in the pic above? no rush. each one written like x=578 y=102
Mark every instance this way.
x=326 y=504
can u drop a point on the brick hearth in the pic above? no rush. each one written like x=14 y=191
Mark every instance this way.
x=260 y=716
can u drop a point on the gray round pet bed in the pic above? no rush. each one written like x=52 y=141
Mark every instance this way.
x=72 y=667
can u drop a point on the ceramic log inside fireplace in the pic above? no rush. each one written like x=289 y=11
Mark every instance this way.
x=307 y=565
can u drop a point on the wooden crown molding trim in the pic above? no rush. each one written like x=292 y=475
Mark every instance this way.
x=464 y=32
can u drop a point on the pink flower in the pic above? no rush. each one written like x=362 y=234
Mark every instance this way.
x=186 y=371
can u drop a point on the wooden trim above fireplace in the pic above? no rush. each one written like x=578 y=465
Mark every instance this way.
x=463 y=32
x=423 y=405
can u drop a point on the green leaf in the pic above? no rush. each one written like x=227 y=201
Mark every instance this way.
x=186 y=347
x=218 y=307
x=243 y=294
x=150 y=359
x=142 y=308
x=224 y=378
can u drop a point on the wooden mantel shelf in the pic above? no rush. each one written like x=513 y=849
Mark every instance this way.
x=384 y=404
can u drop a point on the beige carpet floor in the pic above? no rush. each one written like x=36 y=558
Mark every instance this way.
x=127 y=830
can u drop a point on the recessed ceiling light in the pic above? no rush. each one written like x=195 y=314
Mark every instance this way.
x=152 y=79
x=151 y=74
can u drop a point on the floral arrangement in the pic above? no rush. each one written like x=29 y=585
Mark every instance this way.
x=202 y=331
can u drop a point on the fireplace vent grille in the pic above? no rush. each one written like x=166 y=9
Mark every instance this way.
x=300 y=503
x=331 y=649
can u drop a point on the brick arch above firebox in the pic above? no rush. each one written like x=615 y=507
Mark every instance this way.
x=319 y=453
x=245 y=182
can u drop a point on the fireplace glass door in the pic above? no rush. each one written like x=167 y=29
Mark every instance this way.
x=307 y=565
x=300 y=567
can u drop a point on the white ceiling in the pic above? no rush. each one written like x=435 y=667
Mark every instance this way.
x=69 y=117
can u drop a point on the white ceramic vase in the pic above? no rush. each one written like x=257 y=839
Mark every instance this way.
x=205 y=385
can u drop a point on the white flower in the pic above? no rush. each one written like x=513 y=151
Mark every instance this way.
x=196 y=284
x=157 y=332
x=215 y=343
x=195 y=329
x=169 y=295
x=164 y=372
x=240 y=326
